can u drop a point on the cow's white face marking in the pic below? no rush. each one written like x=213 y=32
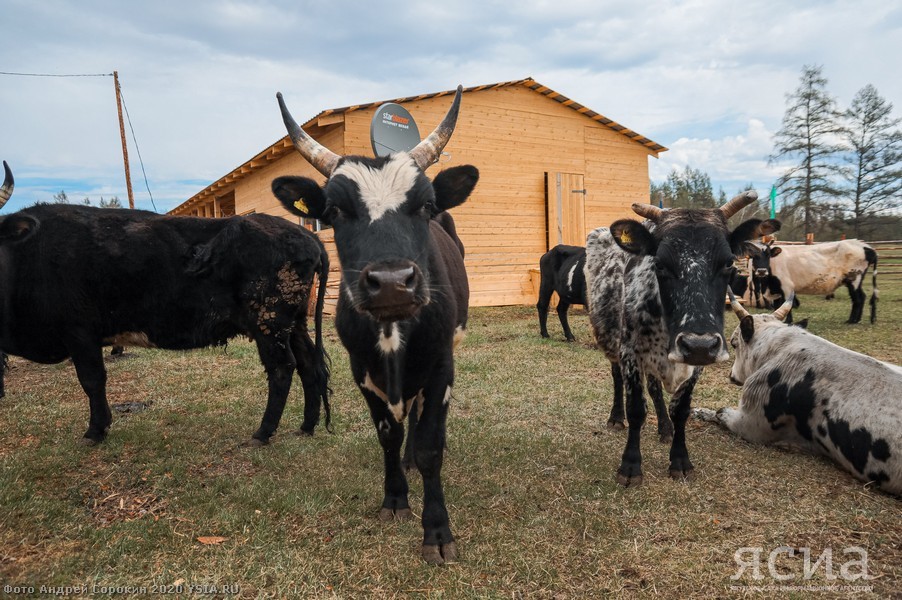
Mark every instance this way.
x=390 y=342
x=384 y=189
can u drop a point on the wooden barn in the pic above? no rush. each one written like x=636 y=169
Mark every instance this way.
x=551 y=170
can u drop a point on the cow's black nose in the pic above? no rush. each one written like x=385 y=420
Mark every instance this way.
x=699 y=349
x=390 y=291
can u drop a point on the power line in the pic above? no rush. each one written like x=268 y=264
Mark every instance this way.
x=137 y=149
x=57 y=75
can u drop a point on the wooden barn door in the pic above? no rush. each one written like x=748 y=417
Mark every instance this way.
x=566 y=204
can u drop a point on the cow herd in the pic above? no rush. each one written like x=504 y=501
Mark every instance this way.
x=74 y=279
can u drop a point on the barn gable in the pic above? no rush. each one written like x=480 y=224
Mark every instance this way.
x=551 y=170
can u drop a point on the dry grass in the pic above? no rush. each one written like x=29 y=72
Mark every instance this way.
x=529 y=480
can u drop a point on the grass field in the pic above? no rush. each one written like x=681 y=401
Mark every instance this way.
x=171 y=499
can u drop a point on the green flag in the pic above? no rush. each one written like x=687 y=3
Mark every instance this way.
x=773 y=201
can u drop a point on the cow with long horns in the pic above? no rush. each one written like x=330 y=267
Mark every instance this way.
x=800 y=390
x=403 y=300
x=656 y=296
x=76 y=278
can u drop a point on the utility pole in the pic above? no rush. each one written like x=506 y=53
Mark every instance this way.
x=128 y=176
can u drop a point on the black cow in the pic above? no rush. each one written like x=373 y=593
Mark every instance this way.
x=76 y=278
x=656 y=299
x=561 y=270
x=403 y=300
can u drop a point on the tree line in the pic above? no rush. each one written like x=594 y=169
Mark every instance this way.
x=843 y=168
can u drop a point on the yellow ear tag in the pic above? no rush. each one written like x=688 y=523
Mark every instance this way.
x=301 y=206
x=625 y=238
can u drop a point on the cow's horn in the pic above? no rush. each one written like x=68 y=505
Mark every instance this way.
x=323 y=159
x=428 y=151
x=649 y=211
x=739 y=309
x=8 y=184
x=738 y=203
x=781 y=312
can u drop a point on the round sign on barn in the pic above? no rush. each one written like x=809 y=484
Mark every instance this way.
x=393 y=130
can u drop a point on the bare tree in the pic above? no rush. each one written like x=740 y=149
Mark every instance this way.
x=809 y=135
x=874 y=163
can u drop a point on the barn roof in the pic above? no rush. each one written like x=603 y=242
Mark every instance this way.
x=284 y=145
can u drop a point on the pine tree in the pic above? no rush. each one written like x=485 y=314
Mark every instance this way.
x=809 y=135
x=874 y=161
x=690 y=188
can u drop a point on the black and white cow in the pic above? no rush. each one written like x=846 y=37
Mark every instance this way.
x=561 y=271
x=816 y=269
x=404 y=298
x=656 y=296
x=74 y=279
x=801 y=390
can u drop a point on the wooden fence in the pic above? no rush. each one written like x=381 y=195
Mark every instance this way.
x=889 y=256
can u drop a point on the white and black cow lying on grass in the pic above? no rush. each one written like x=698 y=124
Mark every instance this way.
x=818 y=270
x=656 y=298
x=561 y=271
x=801 y=390
x=403 y=301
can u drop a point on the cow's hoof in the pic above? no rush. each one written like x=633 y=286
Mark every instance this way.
x=395 y=514
x=633 y=478
x=303 y=433
x=439 y=555
x=681 y=469
x=254 y=443
x=616 y=425
x=682 y=474
x=88 y=442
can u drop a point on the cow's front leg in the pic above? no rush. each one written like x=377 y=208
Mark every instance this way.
x=665 y=426
x=88 y=361
x=438 y=543
x=630 y=471
x=391 y=435
x=618 y=415
x=680 y=465
x=279 y=363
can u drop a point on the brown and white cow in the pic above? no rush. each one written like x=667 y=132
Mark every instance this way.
x=403 y=300
x=816 y=270
x=801 y=390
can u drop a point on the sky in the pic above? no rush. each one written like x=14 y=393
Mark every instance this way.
x=706 y=78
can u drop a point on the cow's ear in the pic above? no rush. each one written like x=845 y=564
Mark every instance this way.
x=775 y=251
x=300 y=196
x=749 y=230
x=633 y=237
x=803 y=323
x=16 y=228
x=453 y=186
x=747 y=328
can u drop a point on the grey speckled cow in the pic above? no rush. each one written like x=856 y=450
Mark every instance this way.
x=656 y=297
x=801 y=390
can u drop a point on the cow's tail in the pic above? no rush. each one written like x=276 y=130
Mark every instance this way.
x=323 y=362
x=870 y=255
